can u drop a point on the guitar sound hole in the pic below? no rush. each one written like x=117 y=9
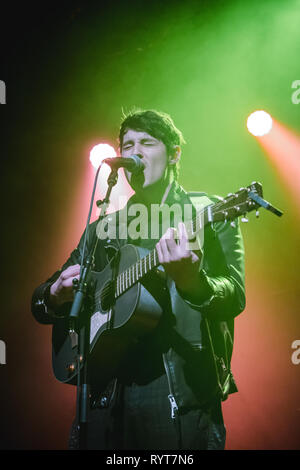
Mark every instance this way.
x=107 y=296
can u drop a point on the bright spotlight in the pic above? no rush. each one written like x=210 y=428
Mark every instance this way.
x=259 y=123
x=99 y=152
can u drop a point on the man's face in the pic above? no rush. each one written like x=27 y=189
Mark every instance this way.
x=153 y=153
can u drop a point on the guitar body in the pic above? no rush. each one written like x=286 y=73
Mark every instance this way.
x=114 y=324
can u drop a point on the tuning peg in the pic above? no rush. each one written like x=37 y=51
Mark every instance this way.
x=244 y=219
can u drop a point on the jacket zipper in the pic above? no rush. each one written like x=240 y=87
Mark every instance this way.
x=174 y=406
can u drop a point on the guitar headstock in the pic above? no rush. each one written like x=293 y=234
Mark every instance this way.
x=237 y=204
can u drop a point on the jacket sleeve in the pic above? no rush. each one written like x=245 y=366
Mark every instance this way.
x=221 y=293
x=39 y=303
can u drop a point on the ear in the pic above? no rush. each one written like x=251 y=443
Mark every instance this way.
x=175 y=157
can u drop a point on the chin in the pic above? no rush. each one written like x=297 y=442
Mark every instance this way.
x=137 y=182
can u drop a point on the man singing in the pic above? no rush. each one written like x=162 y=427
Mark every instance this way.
x=167 y=391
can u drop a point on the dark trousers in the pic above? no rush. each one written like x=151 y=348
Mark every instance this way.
x=141 y=420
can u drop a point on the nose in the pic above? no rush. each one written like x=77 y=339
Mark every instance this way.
x=138 y=155
x=136 y=150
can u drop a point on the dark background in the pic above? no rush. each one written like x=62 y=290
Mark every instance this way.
x=70 y=68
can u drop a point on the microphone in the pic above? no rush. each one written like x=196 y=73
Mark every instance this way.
x=133 y=163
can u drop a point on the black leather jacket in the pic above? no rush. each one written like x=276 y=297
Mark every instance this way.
x=198 y=344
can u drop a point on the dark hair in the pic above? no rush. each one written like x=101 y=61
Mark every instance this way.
x=156 y=123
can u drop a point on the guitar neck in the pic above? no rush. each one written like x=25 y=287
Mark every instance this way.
x=136 y=272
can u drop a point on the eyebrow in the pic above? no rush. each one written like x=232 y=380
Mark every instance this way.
x=130 y=141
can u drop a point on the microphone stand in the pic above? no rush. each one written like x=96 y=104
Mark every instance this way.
x=80 y=287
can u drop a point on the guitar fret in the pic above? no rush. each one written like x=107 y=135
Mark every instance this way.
x=209 y=214
x=194 y=225
x=189 y=230
x=141 y=267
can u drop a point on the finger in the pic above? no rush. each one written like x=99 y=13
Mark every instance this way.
x=195 y=257
x=170 y=233
x=170 y=242
x=68 y=282
x=74 y=269
x=172 y=247
x=159 y=253
x=183 y=235
x=165 y=255
x=183 y=238
x=71 y=271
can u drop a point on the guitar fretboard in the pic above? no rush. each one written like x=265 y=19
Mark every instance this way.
x=130 y=276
